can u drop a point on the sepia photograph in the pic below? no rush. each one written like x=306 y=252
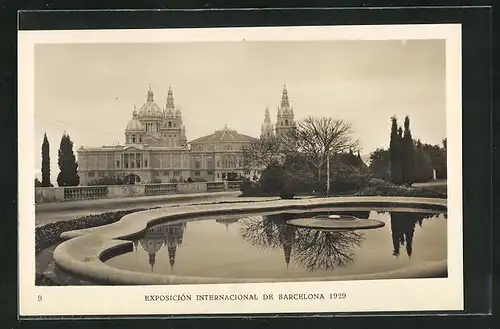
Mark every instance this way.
x=257 y=170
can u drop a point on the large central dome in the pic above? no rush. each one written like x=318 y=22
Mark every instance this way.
x=150 y=109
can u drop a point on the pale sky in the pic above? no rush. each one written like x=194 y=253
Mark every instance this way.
x=89 y=90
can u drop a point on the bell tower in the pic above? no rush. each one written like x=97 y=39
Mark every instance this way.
x=173 y=130
x=285 y=121
x=267 y=129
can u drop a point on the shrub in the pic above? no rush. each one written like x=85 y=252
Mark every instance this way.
x=189 y=180
x=287 y=192
x=50 y=234
x=249 y=188
x=233 y=176
x=377 y=182
x=396 y=190
x=349 y=178
x=272 y=180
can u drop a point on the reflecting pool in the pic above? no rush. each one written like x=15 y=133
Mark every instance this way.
x=260 y=246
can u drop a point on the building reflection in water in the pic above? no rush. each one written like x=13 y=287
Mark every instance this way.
x=227 y=222
x=169 y=236
x=310 y=249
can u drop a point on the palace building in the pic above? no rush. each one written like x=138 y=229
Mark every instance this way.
x=157 y=150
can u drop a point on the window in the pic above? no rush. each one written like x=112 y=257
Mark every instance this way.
x=176 y=173
x=91 y=174
x=118 y=163
x=138 y=163
x=140 y=139
x=218 y=175
x=170 y=124
x=145 y=163
x=218 y=163
x=133 y=139
x=197 y=164
x=247 y=172
x=126 y=164
x=197 y=173
x=210 y=172
x=132 y=165
x=165 y=173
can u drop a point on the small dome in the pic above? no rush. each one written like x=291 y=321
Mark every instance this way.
x=150 y=109
x=135 y=125
x=151 y=246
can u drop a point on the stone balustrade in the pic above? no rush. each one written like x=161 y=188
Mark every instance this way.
x=85 y=193
x=59 y=194
x=233 y=186
x=160 y=189
x=215 y=186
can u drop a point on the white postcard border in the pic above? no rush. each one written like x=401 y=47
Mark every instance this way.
x=362 y=296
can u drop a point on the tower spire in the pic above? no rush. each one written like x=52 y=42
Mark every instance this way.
x=267 y=129
x=170 y=98
x=285 y=103
x=150 y=94
x=267 y=118
x=152 y=261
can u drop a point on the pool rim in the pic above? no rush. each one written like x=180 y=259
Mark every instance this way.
x=83 y=251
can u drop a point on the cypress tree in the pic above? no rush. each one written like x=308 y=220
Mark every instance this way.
x=395 y=152
x=45 y=162
x=67 y=163
x=408 y=154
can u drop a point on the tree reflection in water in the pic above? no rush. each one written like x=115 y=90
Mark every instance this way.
x=311 y=249
x=403 y=227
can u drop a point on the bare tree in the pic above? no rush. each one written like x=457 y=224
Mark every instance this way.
x=262 y=153
x=319 y=138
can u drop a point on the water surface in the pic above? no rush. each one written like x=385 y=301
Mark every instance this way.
x=263 y=246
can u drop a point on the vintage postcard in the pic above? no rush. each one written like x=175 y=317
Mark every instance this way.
x=240 y=170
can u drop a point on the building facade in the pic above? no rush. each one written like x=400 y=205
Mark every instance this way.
x=156 y=148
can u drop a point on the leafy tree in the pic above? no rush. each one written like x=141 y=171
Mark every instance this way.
x=423 y=164
x=437 y=157
x=45 y=162
x=380 y=163
x=68 y=166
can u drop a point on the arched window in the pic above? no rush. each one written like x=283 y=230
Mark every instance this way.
x=286 y=122
x=170 y=124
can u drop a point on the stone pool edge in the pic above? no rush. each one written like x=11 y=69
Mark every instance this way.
x=82 y=252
